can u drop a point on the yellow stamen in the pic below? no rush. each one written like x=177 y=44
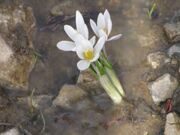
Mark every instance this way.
x=88 y=55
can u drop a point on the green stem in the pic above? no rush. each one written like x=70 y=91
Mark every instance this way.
x=114 y=79
x=108 y=79
x=111 y=74
x=110 y=89
x=150 y=12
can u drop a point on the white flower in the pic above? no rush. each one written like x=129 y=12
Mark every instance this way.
x=104 y=26
x=82 y=29
x=87 y=51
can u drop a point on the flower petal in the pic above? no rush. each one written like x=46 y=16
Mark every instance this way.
x=96 y=57
x=109 y=26
x=83 y=65
x=115 y=37
x=83 y=30
x=79 y=52
x=107 y=15
x=79 y=19
x=108 y=21
x=84 y=43
x=93 y=40
x=97 y=49
x=103 y=34
x=94 y=27
x=101 y=21
x=70 y=31
x=81 y=26
x=66 y=46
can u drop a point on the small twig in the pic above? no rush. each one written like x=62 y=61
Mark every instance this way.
x=31 y=101
x=44 y=122
x=37 y=55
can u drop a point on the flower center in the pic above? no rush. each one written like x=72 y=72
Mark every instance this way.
x=106 y=31
x=88 y=55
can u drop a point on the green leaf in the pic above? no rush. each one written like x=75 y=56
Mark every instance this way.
x=150 y=12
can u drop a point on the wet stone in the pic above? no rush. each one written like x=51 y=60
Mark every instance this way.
x=172 y=31
x=174 y=50
x=69 y=95
x=13 y=131
x=163 y=88
x=172 y=126
x=176 y=101
x=157 y=59
x=87 y=81
x=16 y=48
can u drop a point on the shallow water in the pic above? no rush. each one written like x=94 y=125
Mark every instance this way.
x=128 y=55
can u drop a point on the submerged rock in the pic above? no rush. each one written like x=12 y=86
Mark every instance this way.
x=68 y=95
x=39 y=102
x=163 y=88
x=176 y=101
x=89 y=82
x=16 y=48
x=172 y=126
x=172 y=31
x=13 y=131
x=157 y=59
x=174 y=50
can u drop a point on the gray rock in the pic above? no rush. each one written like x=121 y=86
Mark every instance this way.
x=172 y=31
x=13 y=131
x=172 y=126
x=163 y=88
x=157 y=59
x=6 y=52
x=176 y=101
x=16 y=55
x=85 y=77
x=68 y=95
x=175 y=49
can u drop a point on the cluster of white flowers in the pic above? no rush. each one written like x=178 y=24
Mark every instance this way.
x=88 y=50
x=92 y=53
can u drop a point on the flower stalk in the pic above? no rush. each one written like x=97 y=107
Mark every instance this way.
x=110 y=89
x=112 y=76
x=108 y=79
